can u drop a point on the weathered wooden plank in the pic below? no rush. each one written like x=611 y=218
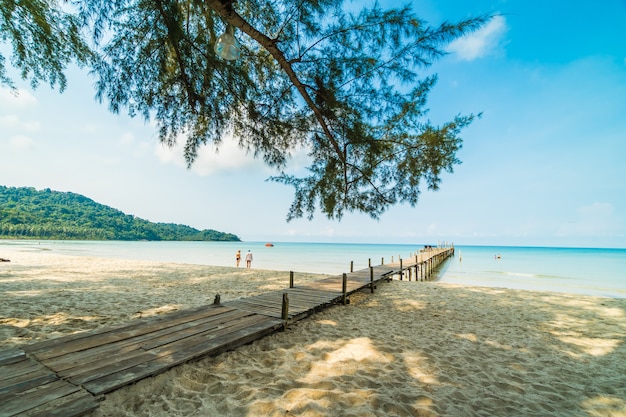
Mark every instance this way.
x=136 y=323
x=106 y=346
x=18 y=368
x=256 y=309
x=122 y=365
x=94 y=365
x=236 y=336
x=299 y=296
x=269 y=311
x=79 y=376
x=73 y=405
x=64 y=345
x=42 y=394
x=69 y=361
x=262 y=302
x=301 y=300
x=314 y=296
x=175 y=354
x=303 y=305
x=10 y=356
x=132 y=355
x=26 y=381
x=203 y=328
x=315 y=292
x=257 y=305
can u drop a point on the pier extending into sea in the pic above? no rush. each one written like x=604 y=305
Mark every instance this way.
x=68 y=376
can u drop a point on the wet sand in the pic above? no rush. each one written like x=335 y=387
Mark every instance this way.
x=410 y=349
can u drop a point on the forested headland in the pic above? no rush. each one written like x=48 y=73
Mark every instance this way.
x=27 y=213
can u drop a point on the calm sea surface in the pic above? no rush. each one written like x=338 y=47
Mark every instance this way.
x=572 y=270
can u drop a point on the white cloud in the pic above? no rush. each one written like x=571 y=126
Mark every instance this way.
x=12 y=121
x=21 y=143
x=229 y=157
x=480 y=43
x=16 y=98
x=127 y=139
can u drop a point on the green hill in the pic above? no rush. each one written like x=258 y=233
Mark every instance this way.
x=27 y=213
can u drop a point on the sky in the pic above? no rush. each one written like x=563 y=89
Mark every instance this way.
x=545 y=165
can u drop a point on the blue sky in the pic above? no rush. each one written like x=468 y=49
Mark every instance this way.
x=544 y=166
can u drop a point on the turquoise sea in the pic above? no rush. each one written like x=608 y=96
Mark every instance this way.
x=572 y=270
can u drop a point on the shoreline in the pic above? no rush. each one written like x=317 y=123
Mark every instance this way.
x=581 y=271
x=426 y=349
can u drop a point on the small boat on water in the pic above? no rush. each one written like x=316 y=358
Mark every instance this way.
x=269 y=245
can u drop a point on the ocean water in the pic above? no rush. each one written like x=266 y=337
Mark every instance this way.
x=573 y=270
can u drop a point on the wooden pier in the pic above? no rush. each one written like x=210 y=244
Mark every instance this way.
x=68 y=376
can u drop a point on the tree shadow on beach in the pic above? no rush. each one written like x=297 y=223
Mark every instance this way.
x=484 y=351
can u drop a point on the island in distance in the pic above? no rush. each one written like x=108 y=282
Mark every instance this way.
x=27 y=213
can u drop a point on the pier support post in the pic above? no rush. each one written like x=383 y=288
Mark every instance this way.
x=430 y=268
x=401 y=272
x=290 y=279
x=351 y=266
x=285 y=310
x=216 y=300
x=372 y=279
x=344 y=288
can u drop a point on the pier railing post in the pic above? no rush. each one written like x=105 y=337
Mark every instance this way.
x=401 y=273
x=372 y=279
x=216 y=300
x=351 y=266
x=344 y=288
x=290 y=279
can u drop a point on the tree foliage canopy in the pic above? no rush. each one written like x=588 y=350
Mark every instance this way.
x=44 y=39
x=345 y=86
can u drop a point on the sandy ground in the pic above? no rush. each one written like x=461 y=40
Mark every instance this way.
x=410 y=349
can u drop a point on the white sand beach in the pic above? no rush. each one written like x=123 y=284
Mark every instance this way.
x=410 y=349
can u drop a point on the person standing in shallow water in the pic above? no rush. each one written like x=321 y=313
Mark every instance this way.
x=248 y=259
x=238 y=258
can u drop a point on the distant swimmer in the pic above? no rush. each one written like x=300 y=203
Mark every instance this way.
x=496 y=256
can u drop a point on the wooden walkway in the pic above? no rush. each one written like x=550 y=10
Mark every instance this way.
x=68 y=376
